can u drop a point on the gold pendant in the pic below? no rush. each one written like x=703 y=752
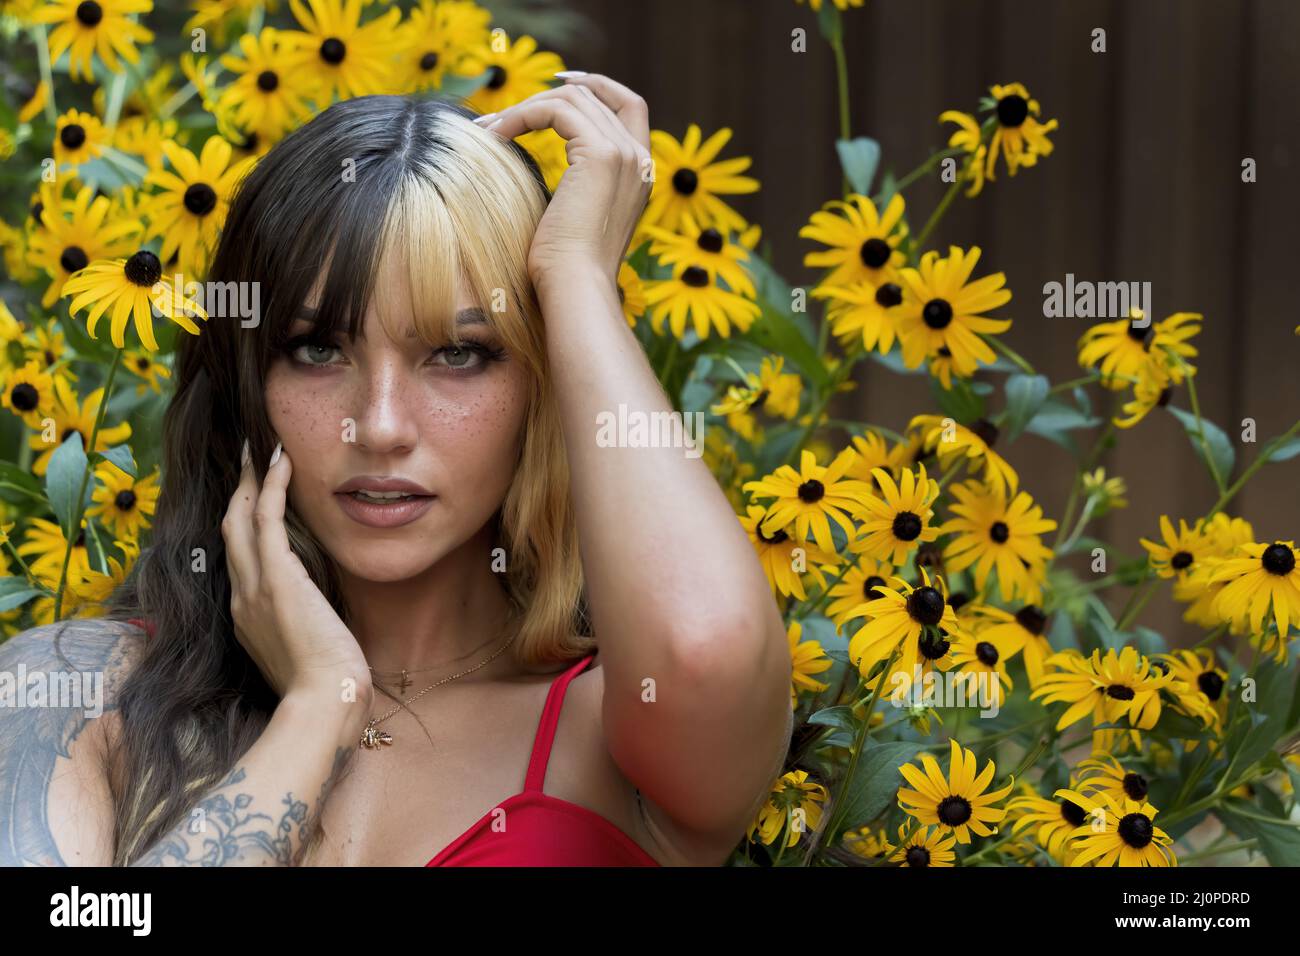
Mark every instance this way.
x=372 y=738
x=404 y=683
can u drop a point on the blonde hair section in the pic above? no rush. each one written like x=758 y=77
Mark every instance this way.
x=464 y=216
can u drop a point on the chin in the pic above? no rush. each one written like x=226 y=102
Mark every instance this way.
x=385 y=562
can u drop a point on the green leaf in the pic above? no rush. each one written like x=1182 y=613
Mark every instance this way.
x=1279 y=842
x=776 y=332
x=15 y=592
x=1285 y=451
x=960 y=402
x=119 y=455
x=1221 y=450
x=840 y=717
x=860 y=158
x=18 y=486
x=67 y=466
x=875 y=783
x=1025 y=395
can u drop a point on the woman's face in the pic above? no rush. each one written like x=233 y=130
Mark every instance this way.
x=449 y=420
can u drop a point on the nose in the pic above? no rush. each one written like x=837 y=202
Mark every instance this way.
x=382 y=409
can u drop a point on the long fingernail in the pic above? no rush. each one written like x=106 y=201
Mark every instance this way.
x=566 y=74
x=275 y=455
x=484 y=119
x=244 y=455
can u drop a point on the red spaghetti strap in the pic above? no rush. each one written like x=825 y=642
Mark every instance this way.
x=140 y=622
x=546 y=727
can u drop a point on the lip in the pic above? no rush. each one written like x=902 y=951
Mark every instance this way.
x=382 y=483
x=383 y=516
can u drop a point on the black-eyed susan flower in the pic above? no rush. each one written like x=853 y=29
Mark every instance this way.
x=863 y=311
x=139 y=363
x=1112 y=687
x=87 y=27
x=192 y=202
x=785 y=559
x=862 y=244
x=926 y=846
x=71 y=238
x=970 y=138
x=806 y=658
x=340 y=54
x=1019 y=135
x=692 y=295
x=868 y=843
x=980 y=664
x=1105 y=492
x=48 y=348
x=515 y=72
x=873 y=452
x=942 y=308
x=689 y=178
x=1118 y=833
x=958 y=803
x=264 y=96
x=861 y=583
x=133 y=288
x=1261 y=581
x=704 y=247
x=28 y=393
x=44 y=547
x=1199 y=590
x=438 y=36
x=121 y=503
x=810 y=498
x=1198 y=686
x=71 y=416
x=951 y=441
x=1012 y=633
x=794 y=807
x=1054 y=821
x=1102 y=773
x=631 y=294
x=994 y=533
x=898 y=519
x=916 y=621
x=1180 y=551
x=78 y=138
x=770 y=389
x=1121 y=351
x=1151 y=389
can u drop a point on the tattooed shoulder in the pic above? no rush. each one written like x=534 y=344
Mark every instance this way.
x=58 y=692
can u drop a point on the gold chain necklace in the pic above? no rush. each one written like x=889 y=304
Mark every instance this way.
x=371 y=738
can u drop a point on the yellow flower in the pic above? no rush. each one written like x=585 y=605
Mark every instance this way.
x=957 y=803
x=339 y=54
x=29 y=394
x=898 y=520
x=1261 y=581
x=806 y=658
x=863 y=310
x=122 y=503
x=952 y=441
x=693 y=295
x=917 y=621
x=515 y=72
x=133 y=287
x=688 y=180
x=1019 y=136
x=631 y=293
x=863 y=244
x=70 y=416
x=942 y=309
x=926 y=846
x=994 y=532
x=794 y=806
x=784 y=559
x=1118 y=833
x=71 y=238
x=1123 y=685
x=264 y=97
x=439 y=34
x=968 y=137
x=808 y=497
x=78 y=138
x=1123 y=353
x=86 y=27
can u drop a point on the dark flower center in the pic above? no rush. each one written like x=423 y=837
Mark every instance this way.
x=428 y=61
x=1211 y=685
x=143 y=268
x=1031 y=618
x=142 y=364
x=1278 y=559
x=710 y=240
x=937 y=313
x=875 y=253
x=73 y=258
x=72 y=135
x=38 y=208
x=497 y=77
x=1183 y=559
x=987 y=653
x=1139 y=335
x=776 y=538
x=89 y=13
x=1120 y=692
x=125 y=500
x=933 y=646
x=889 y=295
x=695 y=277
x=1166 y=393
x=811 y=491
x=1012 y=110
x=1000 y=532
x=1135 y=785
x=925 y=605
x=1072 y=813
x=917 y=856
x=986 y=430
x=685 y=181
x=870 y=585
x=24 y=397
x=954 y=811
x=760 y=398
x=955 y=601
x=907 y=526
x=200 y=199
x=1136 y=830
x=333 y=50
x=267 y=81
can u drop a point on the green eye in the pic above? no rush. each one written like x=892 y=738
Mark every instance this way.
x=458 y=357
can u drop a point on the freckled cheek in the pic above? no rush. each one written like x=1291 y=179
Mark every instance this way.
x=310 y=422
x=477 y=434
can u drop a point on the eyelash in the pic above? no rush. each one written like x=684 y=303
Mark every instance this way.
x=487 y=353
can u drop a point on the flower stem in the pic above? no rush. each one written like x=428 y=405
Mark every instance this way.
x=1009 y=353
x=1200 y=434
x=1229 y=493
x=926 y=167
x=1135 y=605
x=47 y=77
x=933 y=221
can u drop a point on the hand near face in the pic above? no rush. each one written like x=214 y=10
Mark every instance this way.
x=600 y=198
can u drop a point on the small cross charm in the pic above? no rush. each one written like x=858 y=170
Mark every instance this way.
x=404 y=683
x=372 y=738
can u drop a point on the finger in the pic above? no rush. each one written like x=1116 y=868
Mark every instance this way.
x=631 y=110
x=551 y=109
x=614 y=130
x=273 y=551
x=237 y=530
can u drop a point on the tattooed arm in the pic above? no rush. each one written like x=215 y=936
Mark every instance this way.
x=58 y=691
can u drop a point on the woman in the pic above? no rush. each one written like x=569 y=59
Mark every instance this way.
x=355 y=641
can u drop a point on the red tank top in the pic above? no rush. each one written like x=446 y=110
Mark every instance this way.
x=536 y=829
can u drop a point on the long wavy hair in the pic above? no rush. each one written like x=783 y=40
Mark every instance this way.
x=369 y=178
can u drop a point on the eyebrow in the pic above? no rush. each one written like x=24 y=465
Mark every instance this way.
x=465 y=317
